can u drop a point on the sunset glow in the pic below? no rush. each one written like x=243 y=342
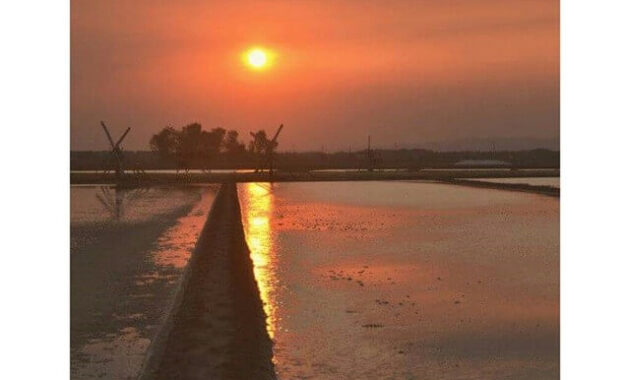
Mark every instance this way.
x=405 y=72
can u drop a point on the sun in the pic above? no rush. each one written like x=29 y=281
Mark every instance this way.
x=257 y=58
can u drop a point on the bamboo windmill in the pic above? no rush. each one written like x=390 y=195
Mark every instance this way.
x=267 y=153
x=116 y=151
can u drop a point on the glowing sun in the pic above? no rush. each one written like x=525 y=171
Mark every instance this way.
x=257 y=58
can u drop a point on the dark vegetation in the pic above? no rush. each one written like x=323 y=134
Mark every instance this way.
x=191 y=147
x=297 y=161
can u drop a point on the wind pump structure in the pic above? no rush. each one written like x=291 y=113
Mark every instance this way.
x=267 y=151
x=116 y=152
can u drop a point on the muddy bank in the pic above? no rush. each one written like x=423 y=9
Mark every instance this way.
x=543 y=190
x=216 y=329
x=533 y=181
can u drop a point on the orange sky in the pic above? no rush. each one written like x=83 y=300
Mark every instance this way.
x=404 y=71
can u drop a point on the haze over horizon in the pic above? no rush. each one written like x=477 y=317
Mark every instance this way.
x=407 y=72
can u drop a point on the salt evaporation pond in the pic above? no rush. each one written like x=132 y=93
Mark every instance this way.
x=128 y=250
x=400 y=280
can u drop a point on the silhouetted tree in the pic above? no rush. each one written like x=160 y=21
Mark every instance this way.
x=189 y=147
x=231 y=144
x=209 y=146
x=262 y=147
x=165 y=143
x=259 y=142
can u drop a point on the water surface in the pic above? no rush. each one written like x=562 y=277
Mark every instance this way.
x=128 y=251
x=399 y=280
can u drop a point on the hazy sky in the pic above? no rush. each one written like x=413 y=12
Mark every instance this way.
x=404 y=71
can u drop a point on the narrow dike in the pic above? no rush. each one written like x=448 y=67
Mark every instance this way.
x=216 y=329
x=543 y=190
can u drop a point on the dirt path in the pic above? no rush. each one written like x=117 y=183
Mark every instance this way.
x=216 y=329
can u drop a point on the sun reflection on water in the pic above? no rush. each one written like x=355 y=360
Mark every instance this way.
x=258 y=206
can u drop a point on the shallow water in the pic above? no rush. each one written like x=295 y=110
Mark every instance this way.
x=126 y=264
x=534 y=181
x=89 y=204
x=393 y=280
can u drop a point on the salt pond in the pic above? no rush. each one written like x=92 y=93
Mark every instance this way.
x=393 y=280
x=128 y=251
x=360 y=280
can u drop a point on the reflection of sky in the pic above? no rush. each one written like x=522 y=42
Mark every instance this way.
x=258 y=208
x=175 y=245
x=140 y=258
x=421 y=260
x=97 y=204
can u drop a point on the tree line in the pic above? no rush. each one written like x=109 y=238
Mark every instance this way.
x=193 y=147
x=299 y=161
